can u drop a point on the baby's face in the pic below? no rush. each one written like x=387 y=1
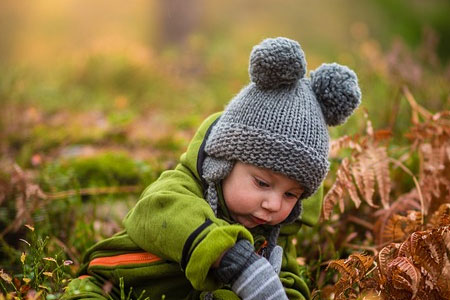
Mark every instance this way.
x=256 y=196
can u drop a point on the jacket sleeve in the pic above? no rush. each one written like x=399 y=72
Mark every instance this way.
x=173 y=221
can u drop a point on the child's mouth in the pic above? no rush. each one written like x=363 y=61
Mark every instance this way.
x=258 y=220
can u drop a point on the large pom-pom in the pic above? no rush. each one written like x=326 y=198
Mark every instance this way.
x=276 y=62
x=336 y=88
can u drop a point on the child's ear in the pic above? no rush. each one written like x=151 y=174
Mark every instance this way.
x=336 y=88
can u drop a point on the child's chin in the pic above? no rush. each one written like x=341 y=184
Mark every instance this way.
x=250 y=226
x=246 y=223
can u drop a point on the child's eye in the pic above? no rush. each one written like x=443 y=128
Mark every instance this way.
x=291 y=195
x=261 y=183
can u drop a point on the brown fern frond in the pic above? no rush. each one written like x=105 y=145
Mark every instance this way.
x=343 y=267
x=352 y=270
x=408 y=201
x=341 y=287
x=403 y=275
x=393 y=232
x=343 y=184
x=443 y=282
x=428 y=251
x=440 y=217
x=431 y=139
x=385 y=256
x=430 y=175
x=398 y=227
x=345 y=141
x=364 y=176
x=361 y=262
x=369 y=284
x=367 y=166
x=347 y=181
x=444 y=232
x=405 y=248
x=380 y=162
x=335 y=193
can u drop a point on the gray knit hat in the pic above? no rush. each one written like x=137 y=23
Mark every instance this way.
x=279 y=121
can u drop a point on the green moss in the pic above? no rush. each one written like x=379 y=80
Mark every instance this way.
x=45 y=136
x=109 y=169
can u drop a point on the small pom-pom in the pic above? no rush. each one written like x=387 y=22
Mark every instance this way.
x=336 y=88
x=276 y=62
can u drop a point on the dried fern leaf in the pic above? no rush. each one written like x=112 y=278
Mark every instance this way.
x=380 y=165
x=385 y=256
x=347 y=181
x=341 y=287
x=331 y=198
x=405 y=249
x=444 y=233
x=398 y=227
x=408 y=201
x=337 y=145
x=364 y=177
x=361 y=262
x=427 y=252
x=341 y=186
x=443 y=282
x=429 y=178
x=404 y=275
x=440 y=217
x=345 y=270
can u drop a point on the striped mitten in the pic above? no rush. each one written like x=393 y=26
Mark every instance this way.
x=250 y=276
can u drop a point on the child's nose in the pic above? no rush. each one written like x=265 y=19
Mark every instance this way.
x=272 y=203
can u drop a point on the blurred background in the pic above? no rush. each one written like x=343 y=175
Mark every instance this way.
x=98 y=97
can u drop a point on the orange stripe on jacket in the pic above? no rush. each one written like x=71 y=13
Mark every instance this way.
x=125 y=259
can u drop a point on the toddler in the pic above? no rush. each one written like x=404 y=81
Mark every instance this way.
x=220 y=225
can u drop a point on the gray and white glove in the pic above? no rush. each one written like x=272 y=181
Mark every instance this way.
x=275 y=259
x=250 y=276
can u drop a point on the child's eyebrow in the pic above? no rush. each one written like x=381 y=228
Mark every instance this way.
x=298 y=189
x=265 y=172
x=273 y=175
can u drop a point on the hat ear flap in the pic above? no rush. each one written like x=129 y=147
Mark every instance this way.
x=336 y=88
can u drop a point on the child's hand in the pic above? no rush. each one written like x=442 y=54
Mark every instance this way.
x=250 y=275
x=259 y=281
x=275 y=259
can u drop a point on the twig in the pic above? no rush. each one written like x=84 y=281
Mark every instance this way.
x=69 y=252
x=326 y=263
x=415 y=106
x=95 y=191
x=360 y=222
x=371 y=270
x=419 y=191
x=361 y=247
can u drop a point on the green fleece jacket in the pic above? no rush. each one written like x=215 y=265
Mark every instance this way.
x=173 y=221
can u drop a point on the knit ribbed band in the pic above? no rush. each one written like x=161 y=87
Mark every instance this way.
x=265 y=149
